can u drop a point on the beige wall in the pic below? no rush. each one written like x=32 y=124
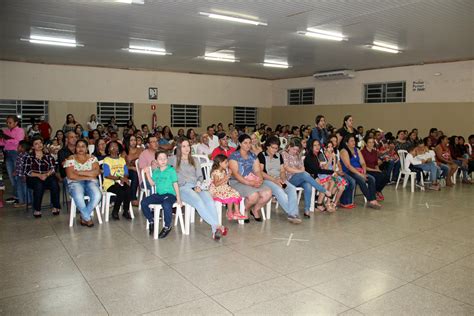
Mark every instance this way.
x=28 y=81
x=444 y=82
x=143 y=114
x=452 y=118
x=447 y=102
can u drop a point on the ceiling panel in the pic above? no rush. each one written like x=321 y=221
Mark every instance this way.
x=426 y=31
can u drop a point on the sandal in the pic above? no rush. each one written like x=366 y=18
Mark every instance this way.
x=55 y=211
x=318 y=205
x=230 y=216
x=306 y=215
x=223 y=230
x=37 y=214
x=330 y=207
x=237 y=216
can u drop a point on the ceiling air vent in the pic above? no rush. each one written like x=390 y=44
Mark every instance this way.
x=335 y=75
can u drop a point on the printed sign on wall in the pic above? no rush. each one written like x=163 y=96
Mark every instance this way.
x=152 y=93
x=419 y=85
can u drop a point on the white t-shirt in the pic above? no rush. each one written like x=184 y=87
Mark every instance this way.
x=204 y=150
x=92 y=125
x=213 y=142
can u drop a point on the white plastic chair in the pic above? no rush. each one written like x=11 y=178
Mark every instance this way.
x=106 y=196
x=72 y=214
x=143 y=191
x=202 y=158
x=407 y=173
x=157 y=208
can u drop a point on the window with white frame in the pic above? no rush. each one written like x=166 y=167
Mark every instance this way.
x=185 y=115
x=245 y=116
x=301 y=96
x=24 y=110
x=384 y=92
x=121 y=111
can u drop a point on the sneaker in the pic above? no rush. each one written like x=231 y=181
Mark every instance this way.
x=11 y=200
x=294 y=219
x=164 y=232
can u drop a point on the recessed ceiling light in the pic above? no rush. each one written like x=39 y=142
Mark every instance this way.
x=51 y=40
x=385 y=47
x=146 y=50
x=224 y=59
x=322 y=34
x=232 y=18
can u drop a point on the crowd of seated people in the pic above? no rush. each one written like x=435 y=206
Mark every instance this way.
x=252 y=165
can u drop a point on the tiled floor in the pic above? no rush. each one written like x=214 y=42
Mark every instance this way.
x=413 y=257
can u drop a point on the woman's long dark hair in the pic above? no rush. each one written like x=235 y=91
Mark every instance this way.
x=107 y=148
x=179 y=153
x=273 y=140
x=344 y=121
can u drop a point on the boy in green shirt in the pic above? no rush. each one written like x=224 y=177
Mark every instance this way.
x=165 y=180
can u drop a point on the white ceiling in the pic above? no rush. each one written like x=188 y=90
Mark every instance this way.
x=426 y=31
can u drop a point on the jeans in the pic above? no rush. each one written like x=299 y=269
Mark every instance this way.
x=133 y=176
x=432 y=168
x=286 y=197
x=166 y=201
x=463 y=169
x=10 y=161
x=38 y=186
x=444 y=170
x=79 y=189
x=392 y=168
x=202 y=202
x=347 y=196
x=24 y=195
x=381 y=179
x=366 y=186
x=306 y=181
x=122 y=196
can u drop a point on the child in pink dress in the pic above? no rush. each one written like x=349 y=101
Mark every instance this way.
x=221 y=190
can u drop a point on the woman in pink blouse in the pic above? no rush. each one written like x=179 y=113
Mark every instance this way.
x=10 y=138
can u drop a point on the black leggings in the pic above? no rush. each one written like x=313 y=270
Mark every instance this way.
x=123 y=196
x=39 y=186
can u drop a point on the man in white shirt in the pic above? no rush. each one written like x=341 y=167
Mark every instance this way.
x=213 y=139
x=422 y=163
x=204 y=148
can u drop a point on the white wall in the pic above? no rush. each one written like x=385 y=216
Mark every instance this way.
x=455 y=84
x=28 y=81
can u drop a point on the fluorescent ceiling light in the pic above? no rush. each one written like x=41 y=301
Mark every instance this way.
x=130 y=1
x=50 y=40
x=225 y=59
x=147 y=50
x=275 y=64
x=322 y=34
x=384 y=47
x=231 y=18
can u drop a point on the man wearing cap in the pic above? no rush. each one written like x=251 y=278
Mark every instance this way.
x=45 y=129
x=223 y=148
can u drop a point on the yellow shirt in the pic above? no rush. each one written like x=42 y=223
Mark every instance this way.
x=113 y=167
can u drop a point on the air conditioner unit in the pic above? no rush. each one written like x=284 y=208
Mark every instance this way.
x=335 y=75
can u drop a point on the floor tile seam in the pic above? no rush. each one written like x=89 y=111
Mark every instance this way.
x=253 y=284
x=442 y=294
x=43 y=289
x=196 y=286
x=193 y=252
x=82 y=274
x=331 y=298
x=179 y=304
x=257 y=262
x=378 y=296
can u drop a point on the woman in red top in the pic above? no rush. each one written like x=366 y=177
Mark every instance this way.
x=372 y=163
x=443 y=156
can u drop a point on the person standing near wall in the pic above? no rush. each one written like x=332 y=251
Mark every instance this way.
x=10 y=138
